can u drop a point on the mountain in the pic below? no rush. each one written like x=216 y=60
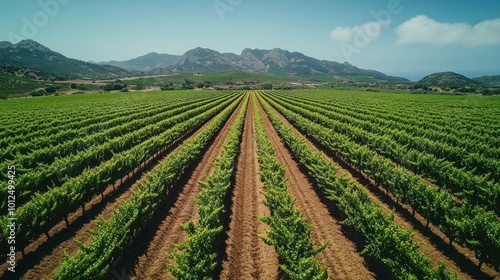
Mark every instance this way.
x=28 y=53
x=448 y=79
x=493 y=80
x=275 y=61
x=205 y=61
x=31 y=54
x=5 y=44
x=146 y=62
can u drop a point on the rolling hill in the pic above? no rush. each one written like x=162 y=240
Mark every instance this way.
x=493 y=80
x=448 y=79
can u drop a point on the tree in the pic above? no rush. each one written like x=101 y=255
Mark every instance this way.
x=50 y=89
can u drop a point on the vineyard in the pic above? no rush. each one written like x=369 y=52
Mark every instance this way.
x=301 y=184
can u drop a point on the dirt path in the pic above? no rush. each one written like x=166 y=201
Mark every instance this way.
x=341 y=256
x=248 y=257
x=151 y=264
x=459 y=260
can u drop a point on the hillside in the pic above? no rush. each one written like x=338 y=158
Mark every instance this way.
x=493 y=80
x=204 y=61
x=448 y=80
x=31 y=54
x=15 y=86
x=146 y=62
x=5 y=44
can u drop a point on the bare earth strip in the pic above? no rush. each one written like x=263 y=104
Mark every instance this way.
x=341 y=255
x=460 y=261
x=248 y=257
x=151 y=264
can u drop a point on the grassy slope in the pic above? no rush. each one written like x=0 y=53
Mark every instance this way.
x=14 y=86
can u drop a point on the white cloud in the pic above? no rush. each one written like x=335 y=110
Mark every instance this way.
x=424 y=30
x=347 y=34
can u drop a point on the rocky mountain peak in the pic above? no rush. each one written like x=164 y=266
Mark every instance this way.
x=32 y=46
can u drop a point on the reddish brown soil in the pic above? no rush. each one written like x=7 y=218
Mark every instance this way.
x=248 y=257
x=341 y=255
x=152 y=263
x=458 y=260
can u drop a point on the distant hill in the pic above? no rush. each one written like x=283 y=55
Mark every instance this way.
x=493 y=80
x=31 y=54
x=449 y=80
x=146 y=62
x=275 y=61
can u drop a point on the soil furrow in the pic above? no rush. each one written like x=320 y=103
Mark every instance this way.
x=248 y=257
x=341 y=255
x=151 y=263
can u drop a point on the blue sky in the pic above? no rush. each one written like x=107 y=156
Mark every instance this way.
x=409 y=38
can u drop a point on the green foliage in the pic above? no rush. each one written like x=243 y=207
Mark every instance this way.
x=12 y=85
x=89 y=147
x=384 y=240
x=167 y=87
x=188 y=87
x=139 y=87
x=431 y=159
x=46 y=209
x=289 y=233
x=50 y=89
x=198 y=256
x=114 y=86
x=447 y=79
x=68 y=153
x=438 y=207
x=112 y=237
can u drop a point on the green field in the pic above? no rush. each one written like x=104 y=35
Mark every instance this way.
x=409 y=175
